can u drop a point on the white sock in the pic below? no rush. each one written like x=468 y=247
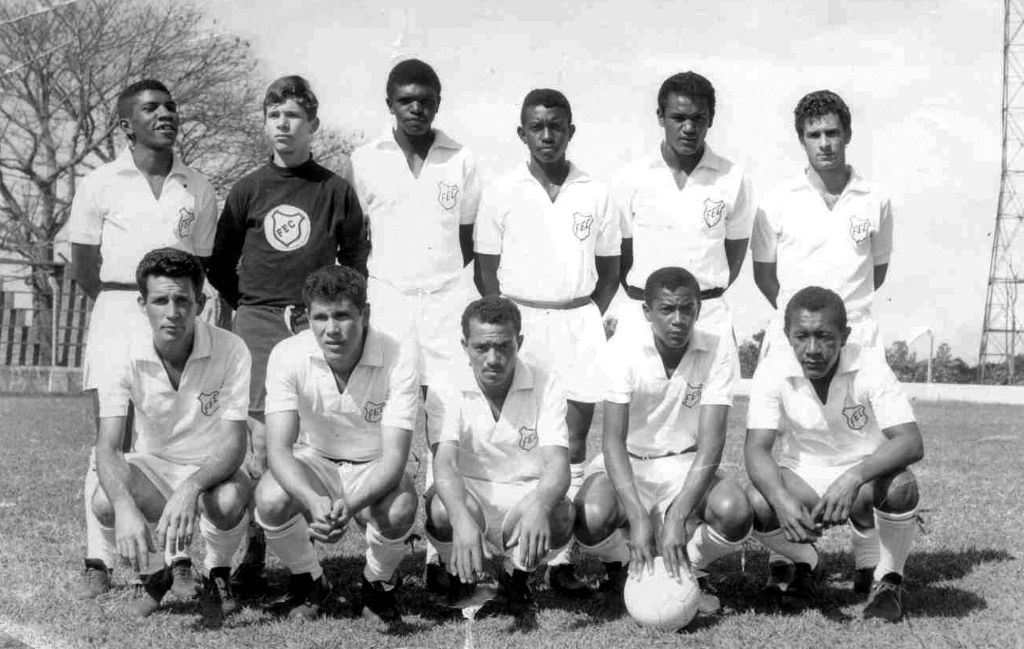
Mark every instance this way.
x=221 y=544
x=575 y=479
x=865 y=546
x=896 y=534
x=609 y=550
x=156 y=559
x=795 y=552
x=565 y=555
x=432 y=554
x=290 y=542
x=775 y=557
x=443 y=549
x=100 y=541
x=383 y=554
x=706 y=546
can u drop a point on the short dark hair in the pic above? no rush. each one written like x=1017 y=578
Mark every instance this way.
x=669 y=278
x=172 y=263
x=689 y=84
x=492 y=310
x=818 y=104
x=815 y=299
x=334 y=284
x=412 y=71
x=294 y=87
x=547 y=97
x=125 y=98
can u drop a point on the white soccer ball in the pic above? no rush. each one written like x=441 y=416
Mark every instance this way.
x=658 y=601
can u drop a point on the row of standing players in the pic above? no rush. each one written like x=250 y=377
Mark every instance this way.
x=555 y=242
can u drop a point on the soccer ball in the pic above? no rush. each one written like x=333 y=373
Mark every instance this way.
x=660 y=602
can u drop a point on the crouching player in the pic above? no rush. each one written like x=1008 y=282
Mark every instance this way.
x=189 y=382
x=353 y=393
x=665 y=417
x=848 y=436
x=501 y=465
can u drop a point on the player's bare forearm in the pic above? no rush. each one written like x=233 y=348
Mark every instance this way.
x=85 y=268
x=448 y=482
x=767 y=280
x=880 y=272
x=616 y=459
x=466 y=243
x=764 y=471
x=554 y=479
x=224 y=459
x=903 y=446
x=735 y=253
x=710 y=446
x=111 y=466
x=395 y=443
x=607 y=282
x=486 y=274
x=282 y=432
x=625 y=260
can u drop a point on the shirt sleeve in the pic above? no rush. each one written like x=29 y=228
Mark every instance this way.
x=471 y=191
x=490 y=223
x=609 y=237
x=881 y=241
x=227 y=248
x=721 y=378
x=350 y=231
x=765 y=408
x=764 y=239
x=619 y=372
x=551 y=426
x=85 y=224
x=887 y=399
x=444 y=414
x=205 y=232
x=740 y=221
x=234 y=394
x=282 y=381
x=403 y=391
x=114 y=385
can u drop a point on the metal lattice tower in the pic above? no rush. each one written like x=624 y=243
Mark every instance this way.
x=1002 y=334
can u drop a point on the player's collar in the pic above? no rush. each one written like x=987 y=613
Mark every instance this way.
x=698 y=343
x=386 y=140
x=575 y=175
x=201 y=346
x=373 y=352
x=708 y=159
x=850 y=360
x=522 y=378
x=856 y=183
x=125 y=164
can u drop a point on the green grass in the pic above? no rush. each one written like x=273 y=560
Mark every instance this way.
x=966 y=587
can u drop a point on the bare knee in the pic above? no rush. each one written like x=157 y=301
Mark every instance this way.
x=101 y=508
x=561 y=521
x=763 y=517
x=225 y=504
x=273 y=504
x=438 y=523
x=729 y=511
x=896 y=493
x=597 y=510
x=396 y=512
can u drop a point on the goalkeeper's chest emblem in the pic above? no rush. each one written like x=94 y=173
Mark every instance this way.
x=856 y=416
x=209 y=402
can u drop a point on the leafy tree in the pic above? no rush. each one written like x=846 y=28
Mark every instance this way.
x=749 y=352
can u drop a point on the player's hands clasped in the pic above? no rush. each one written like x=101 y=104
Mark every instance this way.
x=641 y=546
x=834 y=507
x=532 y=537
x=796 y=521
x=327 y=519
x=178 y=521
x=468 y=551
x=132 y=537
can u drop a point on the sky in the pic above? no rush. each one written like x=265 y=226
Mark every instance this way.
x=923 y=81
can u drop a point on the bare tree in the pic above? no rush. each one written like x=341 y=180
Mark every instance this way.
x=62 y=66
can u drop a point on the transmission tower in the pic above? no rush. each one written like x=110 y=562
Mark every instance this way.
x=1002 y=334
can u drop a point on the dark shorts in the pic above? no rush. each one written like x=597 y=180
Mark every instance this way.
x=262 y=327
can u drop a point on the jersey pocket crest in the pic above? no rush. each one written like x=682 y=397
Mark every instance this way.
x=447 y=195
x=186 y=222
x=860 y=229
x=692 y=396
x=209 y=402
x=581 y=225
x=527 y=438
x=856 y=416
x=372 y=412
x=713 y=212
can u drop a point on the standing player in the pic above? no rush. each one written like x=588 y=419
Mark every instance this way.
x=353 y=393
x=502 y=462
x=189 y=382
x=848 y=437
x=419 y=190
x=284 y=220
x=548 y=239
x=145 y=199
x=826 y=227
x=685 y=206
x=665 y=417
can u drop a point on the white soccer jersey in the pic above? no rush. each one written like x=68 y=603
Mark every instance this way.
x=547 y=248
x=507 y=450
x=863 y=399
x=383 y=390
x=664 y=412
x=182 y=425
x=684 y=227
x=115 y=209
x=414 y=221
x=837 y=249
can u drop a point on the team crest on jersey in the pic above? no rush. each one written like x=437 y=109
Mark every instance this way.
x=581 y=224
x=527 y=438
x=447 y=195
x=713 y=212
x=208 y=402
x=286 y=228
x=372 y=412
x=856 y=416
x=692 y=396
x=186 y=219
x=860 y=228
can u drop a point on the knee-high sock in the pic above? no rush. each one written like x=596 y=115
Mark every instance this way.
x=611 y=549
x=864 y=542
x=706 y=546
x=432 y=554
x=156 y=559
x=567 y=555
x=100 y=541
x=290 y=542
x=442 y=548
x=221 y=544
x=383 y=554
x=896 y=533
x=796 y=552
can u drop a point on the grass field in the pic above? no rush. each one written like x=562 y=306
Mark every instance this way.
x=965 y=577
